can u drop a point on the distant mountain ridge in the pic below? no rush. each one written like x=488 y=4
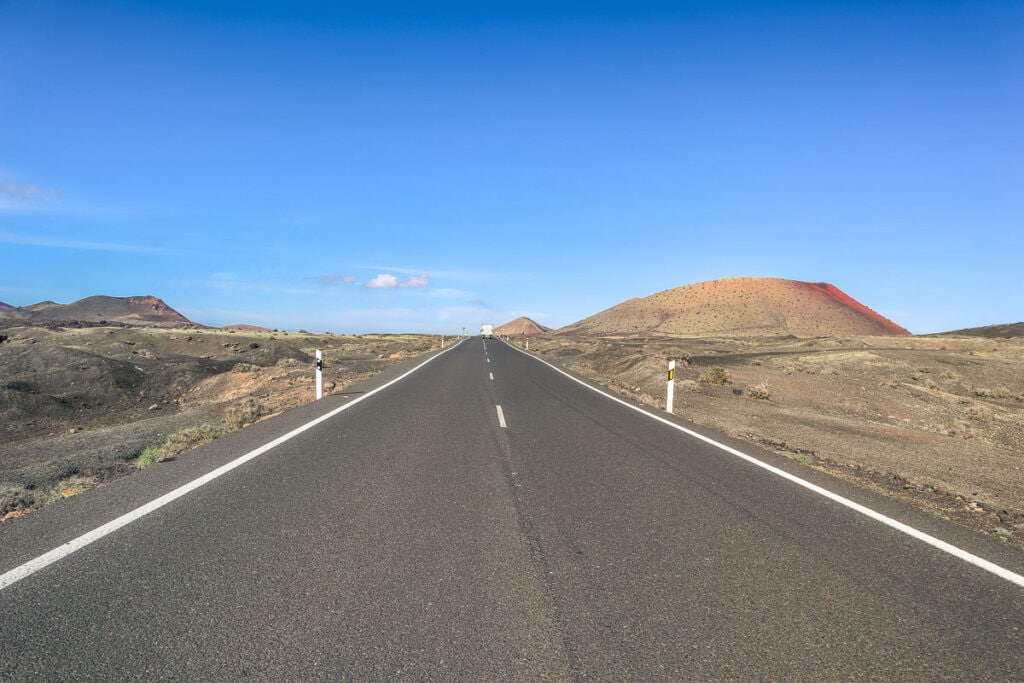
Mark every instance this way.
x=992 y=331
x=741 y=307
x=133 y=311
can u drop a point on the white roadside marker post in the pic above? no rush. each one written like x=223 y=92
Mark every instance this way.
x=670 y=396
x=442 y=341
x=319 y=375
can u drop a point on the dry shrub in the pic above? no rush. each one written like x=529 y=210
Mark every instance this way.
x=759 y=391
x=13 y=498
x=979 y=413
x=187 y=439
x=689 y=385
x=245 y=367
x=243 y=413
x=965 y=430
x=716 y=374
x=1002 y=392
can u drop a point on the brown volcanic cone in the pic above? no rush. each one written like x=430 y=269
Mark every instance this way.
x=741 y=307
x=521 y=326
x=137 y=311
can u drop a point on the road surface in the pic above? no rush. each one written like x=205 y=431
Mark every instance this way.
x=424 y=534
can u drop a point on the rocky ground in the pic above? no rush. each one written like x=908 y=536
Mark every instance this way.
x=78 y=406
x=938 y=421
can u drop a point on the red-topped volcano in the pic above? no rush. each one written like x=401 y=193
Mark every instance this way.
x=521 y=326
x=137 y=311
x=741 y=307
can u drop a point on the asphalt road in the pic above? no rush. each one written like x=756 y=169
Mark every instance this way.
x=413 y=537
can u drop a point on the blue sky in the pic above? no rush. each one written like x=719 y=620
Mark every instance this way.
x=421 y=167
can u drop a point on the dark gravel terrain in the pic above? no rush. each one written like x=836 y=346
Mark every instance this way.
x=78 y=405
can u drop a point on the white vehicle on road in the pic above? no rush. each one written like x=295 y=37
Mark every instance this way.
x=487 y=331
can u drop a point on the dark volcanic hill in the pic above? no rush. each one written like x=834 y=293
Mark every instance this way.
x=521 y=326
x=133 y=311
x=992 y=331
x=741 y=307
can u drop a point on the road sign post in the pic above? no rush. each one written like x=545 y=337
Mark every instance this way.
x=319 y=375
x=670 y=394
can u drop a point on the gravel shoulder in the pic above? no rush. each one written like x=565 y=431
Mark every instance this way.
x=936 y=421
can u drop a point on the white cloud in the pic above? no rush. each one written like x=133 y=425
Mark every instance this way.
x=383 y=281
x=388 y=281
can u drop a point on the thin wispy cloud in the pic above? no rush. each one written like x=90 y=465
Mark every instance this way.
x=334 y=279
x=450 y=293
x=82 y=245
x=229 y=282
x=457 y=275
x=416 y=281
x=27 y=198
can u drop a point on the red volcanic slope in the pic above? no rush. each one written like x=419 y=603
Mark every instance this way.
x=521 y=326
x=741 y=307
x=845 y=299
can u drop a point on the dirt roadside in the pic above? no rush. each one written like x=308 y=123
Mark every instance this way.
x=935 y=421
x=79 y=406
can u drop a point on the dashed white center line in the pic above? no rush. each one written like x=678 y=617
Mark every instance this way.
x=501 y=418
x=491 y=374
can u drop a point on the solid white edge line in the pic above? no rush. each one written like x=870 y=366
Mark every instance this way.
x=32 y=566
x=953 y=550
x=501 y=418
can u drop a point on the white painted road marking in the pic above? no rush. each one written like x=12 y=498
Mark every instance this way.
x=32 y=566
x=953 y=550
x=491 y=374
x=501 y=418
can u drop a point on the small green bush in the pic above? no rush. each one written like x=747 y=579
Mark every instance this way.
x=716 y=375
x=150 y=455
